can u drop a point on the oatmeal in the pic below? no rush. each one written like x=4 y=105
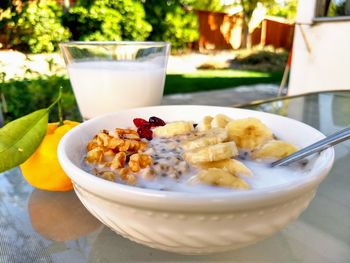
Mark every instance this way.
x=218 y=153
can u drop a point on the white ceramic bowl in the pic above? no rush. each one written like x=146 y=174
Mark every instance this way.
x=186 y=222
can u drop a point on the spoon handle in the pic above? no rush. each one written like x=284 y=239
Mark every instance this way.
x=319 y=146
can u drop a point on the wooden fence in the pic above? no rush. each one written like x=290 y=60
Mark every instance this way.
x=223 y=31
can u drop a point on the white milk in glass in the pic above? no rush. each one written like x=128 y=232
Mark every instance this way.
x=107 y=86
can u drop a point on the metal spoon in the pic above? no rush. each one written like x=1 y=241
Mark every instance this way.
x=319 y=146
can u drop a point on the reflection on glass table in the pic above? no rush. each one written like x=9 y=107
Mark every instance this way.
x=39 y=226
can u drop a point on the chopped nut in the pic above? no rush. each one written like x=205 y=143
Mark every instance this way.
x=124 y=146
x=119 y=150
x=91 y=145
x=132 y=136
x=143 y=145
x=135 y=157
x=108 y=155
x=119 y=160
x=123 y=133
x=108 y=175
x=138 y=161
x=113 y=143
x=145 y=160
x=102 y=139
x=95 y=155
x=123 y=173
x=134 y=146
x=131 y=179
x=134 y=166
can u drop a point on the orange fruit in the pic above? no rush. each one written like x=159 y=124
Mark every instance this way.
x=60 y=216
x=42 y=170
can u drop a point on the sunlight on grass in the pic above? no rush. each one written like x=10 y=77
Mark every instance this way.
x=203 y=80
x=226 y=73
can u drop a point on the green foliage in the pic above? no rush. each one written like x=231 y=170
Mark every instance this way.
x=9 y=15
x=287 y=9
x=27 y=95
x=38 y=28
x=182 y=28
x=107 y=20
x=209 y=5
x=171 y=22
x=133 y=23
x=248 y=7
x=96 y=22
x=338 y=8
x=38 y=25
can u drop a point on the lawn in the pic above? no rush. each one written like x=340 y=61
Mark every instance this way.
x=27 y=95
x=203 y=80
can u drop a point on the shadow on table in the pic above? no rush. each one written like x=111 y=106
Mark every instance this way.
x=109 y=247
x=60 y=216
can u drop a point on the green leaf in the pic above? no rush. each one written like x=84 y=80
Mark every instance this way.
x=20 y=138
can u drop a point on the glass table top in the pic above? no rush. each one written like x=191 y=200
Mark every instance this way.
x=40 y=226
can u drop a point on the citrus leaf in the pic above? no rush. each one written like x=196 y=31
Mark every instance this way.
x=20 y=138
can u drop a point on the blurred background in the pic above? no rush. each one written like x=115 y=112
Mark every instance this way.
x=216 y=44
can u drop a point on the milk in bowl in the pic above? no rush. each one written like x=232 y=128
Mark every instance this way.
x=216 y=154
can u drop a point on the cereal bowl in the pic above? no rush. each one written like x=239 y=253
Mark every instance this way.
x=185 y=222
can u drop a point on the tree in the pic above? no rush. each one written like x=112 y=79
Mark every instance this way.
x=286 y=9
x=248 y=7
x=208 y=5
x=338 y=8
x=10 y=13
x=33 y=26
x=107 y=20
x=172 y=21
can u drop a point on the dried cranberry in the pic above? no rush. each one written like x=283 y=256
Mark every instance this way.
x=145 y=132
x=155 y=121
x=140 y=122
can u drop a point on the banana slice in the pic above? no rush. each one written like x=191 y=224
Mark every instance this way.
x=173 y=128
x=220 y=121
x=274 y=149
x=212 y=136
x=211 y=153
x=248 y=133
x=219 y=177
x=205 y=124
x=230 y=165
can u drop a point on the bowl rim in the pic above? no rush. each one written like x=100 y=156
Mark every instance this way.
x=191 y=201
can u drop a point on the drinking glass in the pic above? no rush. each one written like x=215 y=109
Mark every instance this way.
x=111 y=76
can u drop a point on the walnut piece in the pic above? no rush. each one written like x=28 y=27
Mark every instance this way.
x=138 y=161
x=108 y=175
x=95 y=155
x=118 y=160
x=111 y=150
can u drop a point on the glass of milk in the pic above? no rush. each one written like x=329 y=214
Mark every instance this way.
x=111 y=76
